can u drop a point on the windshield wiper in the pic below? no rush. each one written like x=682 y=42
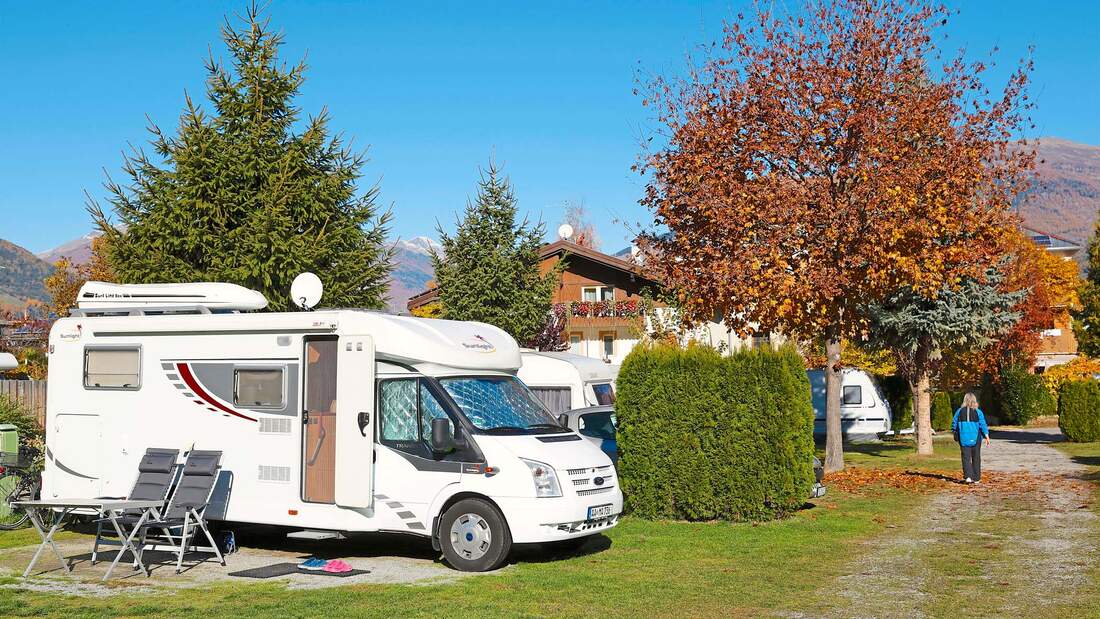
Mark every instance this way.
x=549 y=426
x=505 y=429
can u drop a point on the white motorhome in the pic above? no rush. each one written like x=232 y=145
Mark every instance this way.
x=565 y=381
x=329 y=421
x=864 y=412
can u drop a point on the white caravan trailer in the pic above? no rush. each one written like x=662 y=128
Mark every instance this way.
x=329 y=421
x=8 y=361
x=564 y=381
x=864 y=412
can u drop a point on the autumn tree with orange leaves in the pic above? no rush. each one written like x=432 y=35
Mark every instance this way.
x=815 y=162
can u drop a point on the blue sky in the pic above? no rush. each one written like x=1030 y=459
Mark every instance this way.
x=434 y=90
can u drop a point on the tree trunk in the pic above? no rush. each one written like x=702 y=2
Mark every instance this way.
x=922 y=410
x=834 y=444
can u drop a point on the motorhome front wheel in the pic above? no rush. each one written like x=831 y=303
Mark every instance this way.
x=474 y=536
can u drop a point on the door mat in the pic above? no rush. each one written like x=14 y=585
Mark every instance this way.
x=283 y=569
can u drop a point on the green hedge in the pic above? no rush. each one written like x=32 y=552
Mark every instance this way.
x=1079 y=410
x=705 y=437
x=1024 y=396
x=942 y=411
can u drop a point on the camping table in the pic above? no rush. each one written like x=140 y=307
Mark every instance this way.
x=105 y=507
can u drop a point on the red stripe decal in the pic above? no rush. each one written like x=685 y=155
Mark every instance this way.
x=189 y=378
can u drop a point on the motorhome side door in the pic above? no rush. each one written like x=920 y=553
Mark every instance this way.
x=354 y=412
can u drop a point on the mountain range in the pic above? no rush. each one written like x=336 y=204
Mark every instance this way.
x=1063 y=201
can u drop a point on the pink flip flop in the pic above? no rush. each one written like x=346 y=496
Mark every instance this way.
x=336 y=566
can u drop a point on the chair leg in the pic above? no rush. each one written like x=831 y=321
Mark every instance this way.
x=95 y=546
x=210 y=538
x=183 y=543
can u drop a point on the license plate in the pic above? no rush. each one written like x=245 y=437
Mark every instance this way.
x=599 y=511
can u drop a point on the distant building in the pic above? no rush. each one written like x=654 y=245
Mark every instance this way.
x=603 y=299
x=1058 y=342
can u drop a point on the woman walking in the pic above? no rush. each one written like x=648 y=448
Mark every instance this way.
x=969 y=429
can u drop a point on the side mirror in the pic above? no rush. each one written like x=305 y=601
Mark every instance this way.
x=563 y=420
x=443 y=441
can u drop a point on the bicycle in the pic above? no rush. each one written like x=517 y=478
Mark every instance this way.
x=17 y=483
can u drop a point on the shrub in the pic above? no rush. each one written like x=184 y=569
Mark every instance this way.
x=31 y=433
x=900 y=397
x=1024 y=396
x=1079 y=410
x=704 y=437
x=942 y=411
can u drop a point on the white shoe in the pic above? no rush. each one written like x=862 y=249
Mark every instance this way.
x=969 y=481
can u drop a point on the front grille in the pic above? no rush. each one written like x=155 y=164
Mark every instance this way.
x=594 y=491
x=580 y=482
x=589 y=470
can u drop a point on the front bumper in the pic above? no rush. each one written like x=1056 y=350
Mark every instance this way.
x=535 y=520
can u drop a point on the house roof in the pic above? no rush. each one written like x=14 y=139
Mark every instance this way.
x=1051 y=242
x=560 y=248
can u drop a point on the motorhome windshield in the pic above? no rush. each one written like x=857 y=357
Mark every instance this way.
x=500 y=404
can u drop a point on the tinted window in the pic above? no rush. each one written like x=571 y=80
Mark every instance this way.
x=853 y=395
x=598 y=425
x=605 y=393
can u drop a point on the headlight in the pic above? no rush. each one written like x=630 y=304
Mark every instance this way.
x=546 y=481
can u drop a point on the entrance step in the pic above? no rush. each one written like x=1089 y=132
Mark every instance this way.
x=315 y=534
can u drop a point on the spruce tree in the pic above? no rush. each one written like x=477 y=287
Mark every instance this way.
x=489 y=270
x=1086 y=323
x=245 y=193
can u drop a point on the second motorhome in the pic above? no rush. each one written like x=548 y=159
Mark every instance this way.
x=329 y=421
x=565 y=381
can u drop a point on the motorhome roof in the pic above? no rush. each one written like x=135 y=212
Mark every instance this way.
x=460 y=345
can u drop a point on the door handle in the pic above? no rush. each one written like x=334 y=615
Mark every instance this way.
x=364 y=421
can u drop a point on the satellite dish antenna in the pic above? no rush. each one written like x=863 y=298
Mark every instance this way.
x=565 y=231
x=306 y=290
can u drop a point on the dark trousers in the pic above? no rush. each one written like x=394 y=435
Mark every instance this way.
x=972 y=461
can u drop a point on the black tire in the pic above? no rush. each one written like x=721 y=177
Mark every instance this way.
x=474 y=536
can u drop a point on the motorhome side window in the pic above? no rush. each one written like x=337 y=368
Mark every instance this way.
x=112 y=368
x=258 y=387
x=406 y=409
x=853 y=395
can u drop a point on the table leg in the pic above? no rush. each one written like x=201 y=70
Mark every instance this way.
x=126 y=542
x=47 y=538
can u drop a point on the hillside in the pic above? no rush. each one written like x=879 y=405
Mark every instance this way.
x=412 y=269
x=21 y=275
x=1066 y=196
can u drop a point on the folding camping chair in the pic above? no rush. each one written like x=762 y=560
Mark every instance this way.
x=156 y=472
x=186 y=508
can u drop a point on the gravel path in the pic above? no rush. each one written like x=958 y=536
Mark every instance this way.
x=1022 y=543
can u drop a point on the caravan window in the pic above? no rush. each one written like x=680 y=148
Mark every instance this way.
x=557 y=399
x=605 y=393
x=112 y=368
x=853 y=395
x=258 y=387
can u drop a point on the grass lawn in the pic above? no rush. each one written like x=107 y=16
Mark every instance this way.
x=640 y=568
